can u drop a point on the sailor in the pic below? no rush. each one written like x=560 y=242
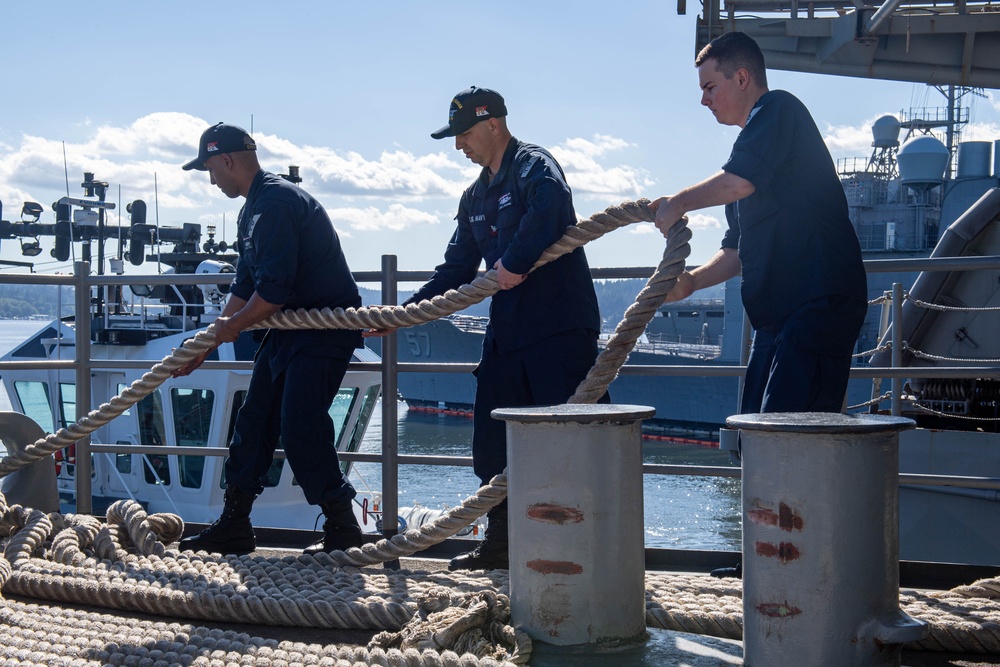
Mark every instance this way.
x=804 y=286
x=542 y=334
x=289 y=257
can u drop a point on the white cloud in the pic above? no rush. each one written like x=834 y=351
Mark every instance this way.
x=704 y=221
x=587 y=176
x=981 y=132
x=395 y=218
x=398 y=174
x=392 y=191
x=695 y=221
x=849 y=140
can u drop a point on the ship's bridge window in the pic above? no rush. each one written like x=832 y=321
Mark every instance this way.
x=192 y=409
x=67 y=404
x=123 y=460
x=364 y=416
x=35 y=402
x=340 y=413
x=149 y=413
x=67 y=416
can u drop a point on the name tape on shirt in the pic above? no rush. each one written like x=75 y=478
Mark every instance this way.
x=253 y=223
x=528 y=164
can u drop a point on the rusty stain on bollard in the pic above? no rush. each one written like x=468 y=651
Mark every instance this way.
x=784 y=551
x=785 y=518
x=554 y=514
x=778 y=609
x=554 y=566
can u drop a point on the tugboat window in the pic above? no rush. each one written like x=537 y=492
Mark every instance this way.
x=67 y=416
x=34 y=399
x=192 y=409
x=149 y=412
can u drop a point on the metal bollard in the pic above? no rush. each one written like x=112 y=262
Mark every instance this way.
x=575 y=517
x=821 y=540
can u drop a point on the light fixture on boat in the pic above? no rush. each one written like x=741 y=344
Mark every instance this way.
x=32 y=210
x=31 y=248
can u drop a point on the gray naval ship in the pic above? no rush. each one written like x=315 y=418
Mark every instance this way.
x=918 y=180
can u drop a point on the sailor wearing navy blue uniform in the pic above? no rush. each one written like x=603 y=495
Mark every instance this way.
x=804 y=285
x=542 y=334
x=290 y=258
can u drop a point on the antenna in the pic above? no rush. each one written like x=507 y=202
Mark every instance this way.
x=156 y=216
x=118 y=221
x=65 y=168
x=251 y=125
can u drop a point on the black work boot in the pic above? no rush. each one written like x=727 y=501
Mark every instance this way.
x=340 y=530
x=491 y=553
x=232 y=532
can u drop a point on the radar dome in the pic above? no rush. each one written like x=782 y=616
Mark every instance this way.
x=885 y=132
x=922 y=161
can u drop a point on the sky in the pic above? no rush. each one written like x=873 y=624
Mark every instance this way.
x=350 y=92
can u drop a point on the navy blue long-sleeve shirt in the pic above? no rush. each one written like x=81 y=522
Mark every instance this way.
x=527 y=207
x=290 y=254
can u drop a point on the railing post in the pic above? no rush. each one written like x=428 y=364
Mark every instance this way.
x=81 y=317
x=897 y=347
x=390 y=416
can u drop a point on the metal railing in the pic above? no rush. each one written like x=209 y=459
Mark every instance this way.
x=390 y=459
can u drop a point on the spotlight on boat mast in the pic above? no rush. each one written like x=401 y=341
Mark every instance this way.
x=31 y=248
x=31 y=211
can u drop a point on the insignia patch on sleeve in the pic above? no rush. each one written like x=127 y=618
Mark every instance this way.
x=253 y=223
x=528 y=164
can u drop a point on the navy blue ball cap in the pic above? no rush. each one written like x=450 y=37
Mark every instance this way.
x=468 y=108
x=218 y=139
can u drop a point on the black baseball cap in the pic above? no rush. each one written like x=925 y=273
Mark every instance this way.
x=468 y=108
x=219 y=139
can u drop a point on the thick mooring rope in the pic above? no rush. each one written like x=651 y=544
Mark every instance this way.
x=373 y=317
x=133 y=543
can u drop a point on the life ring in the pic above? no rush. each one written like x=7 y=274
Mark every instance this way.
x=65 y=455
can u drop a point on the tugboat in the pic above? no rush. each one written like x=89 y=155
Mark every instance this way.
x=144 y=323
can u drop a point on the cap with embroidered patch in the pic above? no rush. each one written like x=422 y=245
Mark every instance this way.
x=218 y=139
x=468 y=108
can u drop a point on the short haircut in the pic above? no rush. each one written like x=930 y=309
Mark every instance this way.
x=733 y=51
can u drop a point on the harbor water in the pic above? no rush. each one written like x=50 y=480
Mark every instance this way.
x=680 y=512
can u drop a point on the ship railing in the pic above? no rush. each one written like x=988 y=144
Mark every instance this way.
x=389 y=457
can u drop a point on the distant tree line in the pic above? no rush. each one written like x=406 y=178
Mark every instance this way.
x=614 y=296
x=24 y=301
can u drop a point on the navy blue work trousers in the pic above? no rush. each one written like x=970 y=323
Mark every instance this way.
x=290 y=406
x=803 y=364
x=544 y=373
